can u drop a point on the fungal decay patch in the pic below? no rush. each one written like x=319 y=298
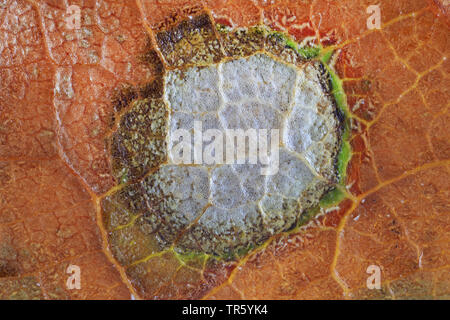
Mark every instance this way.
x=247 y=80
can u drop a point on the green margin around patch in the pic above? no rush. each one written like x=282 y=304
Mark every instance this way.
x=307 y=53
x=340 y=97
x=338 y=193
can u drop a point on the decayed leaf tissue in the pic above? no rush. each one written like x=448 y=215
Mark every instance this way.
x=224 y=149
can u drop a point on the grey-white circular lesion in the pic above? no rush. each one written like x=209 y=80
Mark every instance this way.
x=245 y=207
x=222 y=208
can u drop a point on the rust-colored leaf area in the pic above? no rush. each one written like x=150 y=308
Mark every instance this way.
x=64 y=91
